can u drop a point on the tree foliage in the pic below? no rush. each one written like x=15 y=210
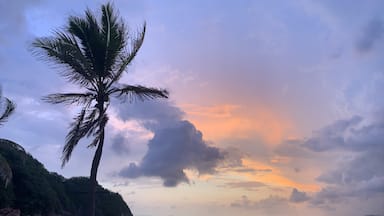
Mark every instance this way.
x=35 y=191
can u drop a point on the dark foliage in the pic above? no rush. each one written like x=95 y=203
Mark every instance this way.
x=34 y=190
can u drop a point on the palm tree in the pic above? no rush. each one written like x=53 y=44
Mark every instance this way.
x=8 y=107
x=94 y=54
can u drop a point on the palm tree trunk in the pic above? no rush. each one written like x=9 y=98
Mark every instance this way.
x=96 y=161
x=93 y=181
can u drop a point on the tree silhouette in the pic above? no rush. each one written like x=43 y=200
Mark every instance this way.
x=95 y=53
x=7 y=108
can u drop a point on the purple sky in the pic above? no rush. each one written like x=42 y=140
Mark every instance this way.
x=276 y=106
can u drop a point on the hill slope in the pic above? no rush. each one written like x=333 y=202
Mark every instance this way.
x=35 y=191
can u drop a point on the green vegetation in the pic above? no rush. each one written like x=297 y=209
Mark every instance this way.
x=95 y=53
x=35 y=191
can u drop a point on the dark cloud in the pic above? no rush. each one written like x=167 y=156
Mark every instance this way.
x=371 y=35
x=367 y=191
x=360 y=172
x=119 y=144
x=171 y=151
x=354 y=149
x=357 y=170
x=298 y=196
x=371 y=188
x=332 y=136
x=368 y=142
x=175 y=146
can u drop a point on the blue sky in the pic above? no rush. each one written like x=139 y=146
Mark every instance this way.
x=275 y=106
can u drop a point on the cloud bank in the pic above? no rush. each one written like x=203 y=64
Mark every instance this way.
x=357 y=173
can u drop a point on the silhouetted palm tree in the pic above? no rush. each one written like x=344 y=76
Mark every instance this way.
x=95 y=55
x=7 y=108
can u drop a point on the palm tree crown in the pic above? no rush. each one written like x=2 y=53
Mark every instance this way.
x=95 y=58
x=95 y=53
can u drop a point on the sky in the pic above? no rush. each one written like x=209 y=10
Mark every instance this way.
x=275 y=107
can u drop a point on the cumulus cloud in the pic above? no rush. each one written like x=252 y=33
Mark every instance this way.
x=175 y=146
x=370 y=193
x=371 y=35
x=364 y=189
x=119 y=145
x=352 y=150
x=368 y=142
x=298 y=196
x=332 y=136
x=360 y=173
x=360 y=168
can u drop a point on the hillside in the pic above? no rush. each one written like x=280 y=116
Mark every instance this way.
x=35 y=191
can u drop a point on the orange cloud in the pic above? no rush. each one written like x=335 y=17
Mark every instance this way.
x=234 y=121
x=276 y=177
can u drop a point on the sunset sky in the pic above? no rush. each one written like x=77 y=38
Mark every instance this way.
x=276 y=107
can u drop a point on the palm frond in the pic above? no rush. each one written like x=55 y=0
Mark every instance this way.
x=64 y=50
x=9 y=109
x=73 y=43
x=87 y=31
x=126 y=59
x=98 y=134
x=95 y=39
x=69 y=98
x=139 y=92
x=73 y=137
x=85 y=122
x=113 y=33
x=78 y=27
x=90 y=123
